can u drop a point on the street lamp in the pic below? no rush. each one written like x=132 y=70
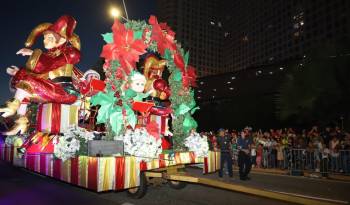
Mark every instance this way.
x=115 y=13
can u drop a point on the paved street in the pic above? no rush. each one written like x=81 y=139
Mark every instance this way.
x=17 y=187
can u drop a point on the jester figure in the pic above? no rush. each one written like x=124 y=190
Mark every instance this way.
x=47 y=74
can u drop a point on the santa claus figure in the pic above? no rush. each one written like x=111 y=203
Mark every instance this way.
x=47 y=75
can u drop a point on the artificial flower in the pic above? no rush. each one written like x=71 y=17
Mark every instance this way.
x=124 y=48
x=162 y=35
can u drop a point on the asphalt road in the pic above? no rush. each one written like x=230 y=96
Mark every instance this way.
x=18 y=186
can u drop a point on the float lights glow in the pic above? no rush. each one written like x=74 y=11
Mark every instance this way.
x=115 y=13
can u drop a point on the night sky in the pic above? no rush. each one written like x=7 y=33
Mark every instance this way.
x=19 y=17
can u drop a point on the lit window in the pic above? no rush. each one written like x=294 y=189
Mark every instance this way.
x=259 y=71
x=270 y=72
x=214 y=89
x=213 y=96
x=199 y=97
x=212 y=23
x=233 y=77
x=281 y=68
x=199 y=91
x=228 y=82
x=301 y=23
x=219 y=24
x=202 y=83
x=231 y=88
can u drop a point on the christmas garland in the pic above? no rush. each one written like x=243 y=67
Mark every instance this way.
x=124 y=47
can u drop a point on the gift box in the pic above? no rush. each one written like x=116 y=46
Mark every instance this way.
x=93 y=87
x=55 y=118
x=162 y=122
x=39 y=142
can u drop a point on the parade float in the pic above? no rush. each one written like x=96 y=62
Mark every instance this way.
x=117 y=133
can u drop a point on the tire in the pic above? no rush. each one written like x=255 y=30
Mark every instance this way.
x=177 y=184
x=140 y=191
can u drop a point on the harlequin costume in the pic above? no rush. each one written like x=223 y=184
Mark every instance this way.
x=45 y=72
x=47 y=75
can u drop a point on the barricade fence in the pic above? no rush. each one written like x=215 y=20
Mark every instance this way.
x=297 y=161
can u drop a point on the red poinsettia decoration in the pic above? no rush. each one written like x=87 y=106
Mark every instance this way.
x=124 y=48
x=189 y=75
x=163 y=35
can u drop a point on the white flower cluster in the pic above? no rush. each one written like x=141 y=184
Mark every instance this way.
x=197 y=144
x=9 y=140
x=67 y=146
x=141 y=144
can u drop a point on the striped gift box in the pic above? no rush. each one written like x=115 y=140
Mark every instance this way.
x=56 y=118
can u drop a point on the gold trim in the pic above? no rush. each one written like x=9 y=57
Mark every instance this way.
x=75 y=41
x=33 y=59
x=35 y=32
x=63 y=71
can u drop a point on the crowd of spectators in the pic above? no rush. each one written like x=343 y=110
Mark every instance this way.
x=321 y=150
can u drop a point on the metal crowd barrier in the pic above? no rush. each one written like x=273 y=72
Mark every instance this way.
x=298 y=161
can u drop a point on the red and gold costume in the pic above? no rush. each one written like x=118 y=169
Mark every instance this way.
x=44 y=70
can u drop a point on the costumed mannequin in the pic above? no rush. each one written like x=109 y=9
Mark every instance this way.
x=137 y=83
x=46 y=74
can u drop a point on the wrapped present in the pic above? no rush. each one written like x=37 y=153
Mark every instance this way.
x=39 y=142
x=55 y=118
x=92 y=87
x=162 y=122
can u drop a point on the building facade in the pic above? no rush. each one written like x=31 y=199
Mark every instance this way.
x=230 y=35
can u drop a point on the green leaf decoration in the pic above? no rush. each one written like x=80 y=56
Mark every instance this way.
x=183 y=108
x=108 y=37
x=131 y=117
x=194 y=110
x=106 y=101
x=177 y=75
x=138 y=35
x=116 y=119
x=189 y=123
x=186 y=58
x=167 y=55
